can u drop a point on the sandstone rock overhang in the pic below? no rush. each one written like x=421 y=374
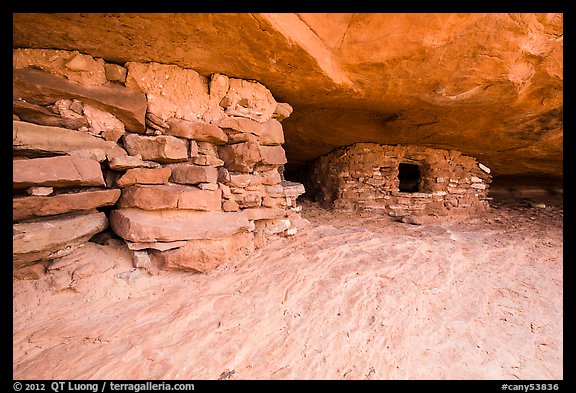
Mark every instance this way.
x=488 y=85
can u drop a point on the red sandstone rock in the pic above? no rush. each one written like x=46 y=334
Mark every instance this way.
x=192 y=174
x=171 y=91
x=33 y=138
x=163 y=149
x=273 y=226
x=240 y=157
x=73 y=65
x=230 y=205
x=160 y=246
x=84 y=261
x=39 y=87
x=170 y=196
x=206 y=255
x=273 y=155
x=271 y=133
x=39 y=206
x=138 y=225
x=250 y=99
x=268 y=133
x=219 y=85
x=40 y=191
x=144 y=176
x=103 y=123
x=62 y=171
x=240 y=124
x=115 y=73
x=244 y=180
x=263 y=213
x=271 y=178
x=122 y=163
x=53 y=238
x=202 y=132
x=293 y=189
x=32 y=272
x=205 y=160
x=40 y=115
x=282 y=111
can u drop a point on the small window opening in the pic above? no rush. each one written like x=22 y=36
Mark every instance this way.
x=409 y=176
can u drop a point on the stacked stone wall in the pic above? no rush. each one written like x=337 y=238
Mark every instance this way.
x=185 y=169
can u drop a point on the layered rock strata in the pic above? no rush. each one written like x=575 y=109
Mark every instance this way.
x=369 y=176
x=186 y=169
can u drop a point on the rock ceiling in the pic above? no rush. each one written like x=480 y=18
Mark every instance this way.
x=488 y=85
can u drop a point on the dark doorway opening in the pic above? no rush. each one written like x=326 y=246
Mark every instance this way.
x=409 y=176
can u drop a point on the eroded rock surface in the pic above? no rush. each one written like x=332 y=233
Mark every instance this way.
x=488 y=85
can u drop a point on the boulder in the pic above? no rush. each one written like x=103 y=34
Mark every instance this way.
x=138 y=225
x=49 y=239
x=64 y=171
x=42 y=88
x=206 y=255
x=163 y=148
x=34 y=139
x=40 y=206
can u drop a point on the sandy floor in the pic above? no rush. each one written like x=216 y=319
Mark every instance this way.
x=352 y=296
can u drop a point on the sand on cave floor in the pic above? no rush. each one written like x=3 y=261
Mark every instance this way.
x=351 y=296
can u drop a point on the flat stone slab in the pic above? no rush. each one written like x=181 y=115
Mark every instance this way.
x=54 y=238
x=263 y=213
x=64 y=171
x=123 y=163
x=40 y=115
x=199 y=131
x=37 y=139
x=170 y=196
x=40 y=87
x=205 y=255
x=144 y=176
x=192 y=174
x=160 y=246
x=40 y=206
x=163 y=148
x=138 y=225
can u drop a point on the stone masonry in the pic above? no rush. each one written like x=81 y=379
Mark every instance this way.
x=185 y=169
x=365 y=176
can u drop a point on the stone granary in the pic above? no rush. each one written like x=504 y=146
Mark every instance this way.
x=401 y=180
